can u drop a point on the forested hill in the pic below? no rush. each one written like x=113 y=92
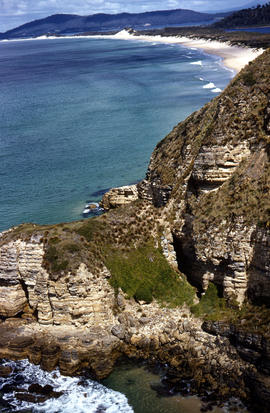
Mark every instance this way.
x=67 y=23
x=254 y=16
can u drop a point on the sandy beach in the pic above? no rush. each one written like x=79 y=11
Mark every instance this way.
x=234 y=58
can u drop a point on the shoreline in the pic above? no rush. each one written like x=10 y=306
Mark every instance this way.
x=82 y=318
x=234 y=58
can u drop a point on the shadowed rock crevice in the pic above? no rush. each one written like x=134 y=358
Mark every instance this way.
x=154 y=192
x=186 y=257
x=266 y=124
x=24 y=287
x=259 y=270
x=198 y=272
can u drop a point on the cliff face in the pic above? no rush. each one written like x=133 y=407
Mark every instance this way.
x=26 y=282
x=214 y=170
x=75 y=319
x=81 y=294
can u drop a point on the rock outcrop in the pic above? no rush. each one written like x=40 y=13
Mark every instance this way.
x=214 y=168
x=143 y=331
x=82 y=294
x=119 y=196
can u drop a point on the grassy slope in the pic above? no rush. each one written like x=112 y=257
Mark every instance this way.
x=124 y=239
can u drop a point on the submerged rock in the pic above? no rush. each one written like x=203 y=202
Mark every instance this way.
x=5 y=371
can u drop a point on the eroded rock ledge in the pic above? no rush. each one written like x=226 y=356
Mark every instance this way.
x=142 y=331
x=82 y=294
x=116 y=197
x=78 y=321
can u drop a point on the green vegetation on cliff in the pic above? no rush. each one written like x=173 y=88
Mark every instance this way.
x=215 y=167
x=144 y=274
x=254 y=319
x=121 y=240
x=235 y=38
x=211 y=306
x=244 y=196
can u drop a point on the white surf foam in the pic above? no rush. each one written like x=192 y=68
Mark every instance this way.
x=86 y=397
x=123 y=34
x=209 y=86
x=199 y=63
x=216 y=90
x=46 y=38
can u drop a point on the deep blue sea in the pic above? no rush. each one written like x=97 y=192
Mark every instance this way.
x=79 y=116
x=82 y=115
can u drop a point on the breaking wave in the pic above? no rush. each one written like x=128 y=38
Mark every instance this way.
x=70 y=393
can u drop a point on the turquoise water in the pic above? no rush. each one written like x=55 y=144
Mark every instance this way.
x=81 y=115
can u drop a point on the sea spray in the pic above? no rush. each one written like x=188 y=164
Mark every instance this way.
x=78 y=394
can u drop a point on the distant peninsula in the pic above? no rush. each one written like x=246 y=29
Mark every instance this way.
x=255 y=16
x=63 y=24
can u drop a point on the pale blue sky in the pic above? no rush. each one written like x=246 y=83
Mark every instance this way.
x=16 y=12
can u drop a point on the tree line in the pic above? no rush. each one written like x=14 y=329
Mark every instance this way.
x=254 y=16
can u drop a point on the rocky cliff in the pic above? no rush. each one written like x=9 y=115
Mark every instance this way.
x=178 y=269
x=212 y=173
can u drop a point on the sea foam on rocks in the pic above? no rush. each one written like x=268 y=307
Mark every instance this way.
x=79 y=394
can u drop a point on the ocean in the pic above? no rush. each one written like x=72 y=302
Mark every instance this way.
x=131 y=388
x=81 y=115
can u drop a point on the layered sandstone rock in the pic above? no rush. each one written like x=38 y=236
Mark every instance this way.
x=215 y=167
x=205 y=204
x=80 y=295
x=169 y=335
x=116 y=197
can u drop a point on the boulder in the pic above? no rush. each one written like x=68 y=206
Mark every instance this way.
x=116 y=197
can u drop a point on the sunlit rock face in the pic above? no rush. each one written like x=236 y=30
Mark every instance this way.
x=68 y=296
x=216 y=165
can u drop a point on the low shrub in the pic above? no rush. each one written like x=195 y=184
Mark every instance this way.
x=89 y=228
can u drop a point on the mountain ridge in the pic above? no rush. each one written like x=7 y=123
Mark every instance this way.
x=64 y=23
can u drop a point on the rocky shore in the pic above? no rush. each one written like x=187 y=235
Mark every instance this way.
x=177 y=270
x=145 y=331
